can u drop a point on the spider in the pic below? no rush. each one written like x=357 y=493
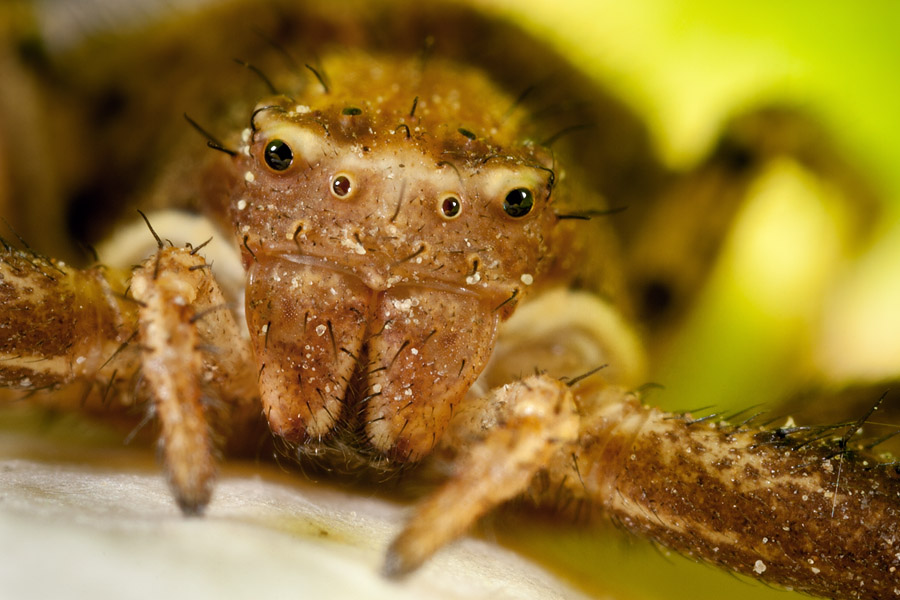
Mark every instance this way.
x=392 y=202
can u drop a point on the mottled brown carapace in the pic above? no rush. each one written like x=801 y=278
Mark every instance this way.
x=427 y=283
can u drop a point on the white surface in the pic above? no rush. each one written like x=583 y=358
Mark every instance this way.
x=79 y=531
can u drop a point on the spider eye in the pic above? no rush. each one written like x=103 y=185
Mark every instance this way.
x=342 y=186
x=518 y=202
x=450 y=207
x=278 y=155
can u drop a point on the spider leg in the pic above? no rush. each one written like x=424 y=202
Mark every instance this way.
x=182 y=310
x=511 y=434
x=770 y=504
x=60 y=326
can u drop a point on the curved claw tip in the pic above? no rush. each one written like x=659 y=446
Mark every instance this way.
x=397 y=564
x=192 y=506
x=189 y=509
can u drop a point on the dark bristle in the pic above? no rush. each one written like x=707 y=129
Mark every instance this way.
x=512 y=297
x=211 y=140
x=575 y=380
x=259 y=74
x=320 y=77
x=518 y=101
x=405 y=127
x=253 y=126
x=564 y=132
x=159 y=242
x=200 y=247
x=247 y=246
x=288 y=57
x=590 y=214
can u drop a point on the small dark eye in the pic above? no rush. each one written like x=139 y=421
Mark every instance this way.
x=518 y=202
x=279 y=155
x=450 y=207
x=341 y=186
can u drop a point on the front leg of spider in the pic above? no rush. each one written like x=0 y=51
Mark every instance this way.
x=177 y=294
x=86 y=335
x=510 y=434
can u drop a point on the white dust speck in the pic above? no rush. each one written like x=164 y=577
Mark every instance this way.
x=320 y=330
x=402 y=305
x=242 y=204
x=352 y=245
x=527 y=279
x=759 y=567
x=249 y=177
x=473 y=279
x=415 y=351
x=376 y=389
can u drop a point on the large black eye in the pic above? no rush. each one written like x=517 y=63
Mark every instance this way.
x=279 y=155
x=518 y=202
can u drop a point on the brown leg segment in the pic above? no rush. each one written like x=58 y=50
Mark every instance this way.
x=60 y=325
x=176 y=293
x=512 y=434
x=791 y=506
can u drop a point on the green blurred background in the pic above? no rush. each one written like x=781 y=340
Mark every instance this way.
x=788 y=303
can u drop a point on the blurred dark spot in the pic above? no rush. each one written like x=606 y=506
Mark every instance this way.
x=89 y=211
x=735 y=156
x=33 y=53
x=656 y=298
x=108 y=104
